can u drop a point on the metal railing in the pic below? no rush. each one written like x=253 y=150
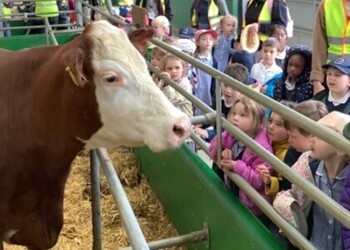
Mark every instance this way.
x=313 y=192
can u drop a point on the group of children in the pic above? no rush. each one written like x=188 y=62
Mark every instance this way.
x=282 y=74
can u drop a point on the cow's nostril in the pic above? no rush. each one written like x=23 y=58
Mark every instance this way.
x=179 y=131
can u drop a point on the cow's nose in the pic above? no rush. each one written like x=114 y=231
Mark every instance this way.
x=182 y=127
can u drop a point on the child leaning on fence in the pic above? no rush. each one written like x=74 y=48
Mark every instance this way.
x=327 y=172
x=249 y=117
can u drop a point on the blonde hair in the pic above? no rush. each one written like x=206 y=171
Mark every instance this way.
x=235 y=21
x=163 y=21
x=256 y=109
x=168 y=57
x=271 y=42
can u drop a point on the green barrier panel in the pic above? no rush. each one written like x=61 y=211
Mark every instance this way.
x=17 y=23
x=30 y=41
x=192 y=195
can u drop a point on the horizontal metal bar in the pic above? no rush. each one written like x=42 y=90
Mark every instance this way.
x=197 y=236
x=207 y=118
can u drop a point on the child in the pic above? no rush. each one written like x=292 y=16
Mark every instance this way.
x=229 y=96
x=174 y=68
x=161 y=27
x=328 y=175
x=337 y=96
x=295 y=85
x=280 y=33
x=267 y=68
x=157 y=57
x=299 y=139
x=187 y=33
x=226 y=38
x=249 y=117
x=278 y=136
x=206 y=83
x=188 y=47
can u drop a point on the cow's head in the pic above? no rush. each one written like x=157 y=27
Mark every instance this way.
x=132 y=109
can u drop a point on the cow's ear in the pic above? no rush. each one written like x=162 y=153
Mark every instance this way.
x=79 y=69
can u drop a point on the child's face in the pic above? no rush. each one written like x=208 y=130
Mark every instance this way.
x=300 y=142
x=281 y=36
x=242 y=119
x=156 y=59
x=230 y=95
x=205 y=42
x=295 y=67
x=158 y=29
x=268 y=54
x=321 y=150
x=228 y=26
x=337 y=82
x=175 y=69
x=275 y=128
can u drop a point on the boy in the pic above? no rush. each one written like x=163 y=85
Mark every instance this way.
x=267 y=68
x=328 y=175
x=337 y=96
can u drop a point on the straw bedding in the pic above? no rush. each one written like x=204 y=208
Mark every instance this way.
x=77 y=230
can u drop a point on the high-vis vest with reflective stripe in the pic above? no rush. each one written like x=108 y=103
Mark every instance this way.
x=46 y=6
x=264 y=17
x=6 y=11
x=213 y=15
x=337 y=29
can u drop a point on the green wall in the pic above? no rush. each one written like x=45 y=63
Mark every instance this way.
x=192 y=195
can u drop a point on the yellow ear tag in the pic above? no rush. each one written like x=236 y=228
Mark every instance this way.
x=72 y=76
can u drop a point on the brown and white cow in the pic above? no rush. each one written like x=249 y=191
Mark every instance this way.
x=94 y=91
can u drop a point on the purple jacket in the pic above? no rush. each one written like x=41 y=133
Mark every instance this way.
x=246 y=167
x=345 y=202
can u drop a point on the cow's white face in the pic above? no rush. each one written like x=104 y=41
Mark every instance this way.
x=133 y=110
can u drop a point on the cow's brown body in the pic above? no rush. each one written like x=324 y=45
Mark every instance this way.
x=45 y=118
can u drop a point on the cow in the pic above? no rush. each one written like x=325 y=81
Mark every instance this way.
x=55 y=101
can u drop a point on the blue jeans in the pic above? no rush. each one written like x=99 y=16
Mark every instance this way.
x=6 y=25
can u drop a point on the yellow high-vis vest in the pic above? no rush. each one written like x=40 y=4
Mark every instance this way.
x=337 y=29
x=264 y=17
x=6 y=11
x=213 y=15
x=43 y=7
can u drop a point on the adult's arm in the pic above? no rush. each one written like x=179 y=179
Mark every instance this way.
x=319 y=45
x=222 y=6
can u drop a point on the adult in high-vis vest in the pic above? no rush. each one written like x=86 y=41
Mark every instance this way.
x=45 y=8
x=206 y=14
x=6 y=12
x=331 y=38
x=156 y=8
x=263 y=16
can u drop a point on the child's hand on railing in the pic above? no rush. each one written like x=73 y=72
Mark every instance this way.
x=265 y=174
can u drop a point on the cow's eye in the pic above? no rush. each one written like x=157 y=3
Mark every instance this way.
x=112 y=77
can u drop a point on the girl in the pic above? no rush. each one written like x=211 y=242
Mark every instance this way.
x=161 y=27
x=278 y=136
x=156 y=61
x=206 y=83
x=174 y=68
x=295 y=84
x=249 y=117
x=225 y=40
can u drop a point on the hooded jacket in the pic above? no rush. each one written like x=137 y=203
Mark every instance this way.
x=303 y=88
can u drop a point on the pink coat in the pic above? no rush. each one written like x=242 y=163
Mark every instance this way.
x=246 y=167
